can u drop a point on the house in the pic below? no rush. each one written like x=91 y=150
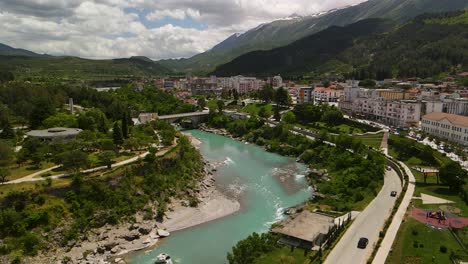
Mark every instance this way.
x=305 y=230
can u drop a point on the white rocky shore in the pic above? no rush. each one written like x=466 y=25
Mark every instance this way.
x=109 y=244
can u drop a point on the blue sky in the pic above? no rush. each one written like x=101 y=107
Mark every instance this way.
x=158 y=29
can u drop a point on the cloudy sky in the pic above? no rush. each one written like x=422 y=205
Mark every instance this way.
x=157 y=29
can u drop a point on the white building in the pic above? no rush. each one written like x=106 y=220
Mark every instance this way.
x=381 y=105
x=277 y=81
x=245 y=85
x=448 y=126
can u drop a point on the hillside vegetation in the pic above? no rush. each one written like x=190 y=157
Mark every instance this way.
x=285 y=31
x=74 y=68
x=367 y=49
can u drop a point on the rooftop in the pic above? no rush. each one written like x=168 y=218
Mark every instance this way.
x=55 y=132
x=305 y=226
x=454 y=119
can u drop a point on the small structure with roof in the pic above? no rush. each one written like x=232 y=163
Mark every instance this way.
x=55 y=133
x=305 y=230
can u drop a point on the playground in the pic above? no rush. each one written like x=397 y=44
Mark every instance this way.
x=439 y=218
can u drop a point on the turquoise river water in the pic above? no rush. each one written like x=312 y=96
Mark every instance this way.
x=264 y=183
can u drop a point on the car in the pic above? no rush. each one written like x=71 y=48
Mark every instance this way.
x=363 y=242
x=393 y=193
x=389 y=168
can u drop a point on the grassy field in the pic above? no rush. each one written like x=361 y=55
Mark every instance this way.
x=26 y=169
x=418 y=243
x=372 y=140
x=253 y=109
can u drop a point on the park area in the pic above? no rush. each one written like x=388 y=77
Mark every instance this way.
x=435 y=227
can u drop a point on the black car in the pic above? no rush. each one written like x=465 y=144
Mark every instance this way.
x=363 y=242
x=393 y=193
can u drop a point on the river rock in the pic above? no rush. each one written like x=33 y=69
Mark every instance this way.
x=110 y=245
x=114 y=250
x=163 y=233
x=131 y=235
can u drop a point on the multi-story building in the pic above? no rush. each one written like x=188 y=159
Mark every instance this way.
x=330 y=94
x=305 y=95
x=244 y=85
x=448 y=126
x=380 y=105
x=277 y=81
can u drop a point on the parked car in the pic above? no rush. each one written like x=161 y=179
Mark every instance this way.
x=363 y=242
x=393 y=193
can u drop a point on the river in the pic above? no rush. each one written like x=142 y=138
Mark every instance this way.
x=264 y=183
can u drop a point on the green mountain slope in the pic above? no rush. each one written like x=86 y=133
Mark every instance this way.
x=10 y=51
x=78 y=68
x=418 y=48
x=283 y=32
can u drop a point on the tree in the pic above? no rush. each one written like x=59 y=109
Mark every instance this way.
x=117 y=134
x=235 y=94
x=201 y=102
x=277 y=114
x=74 y=160
x=263 y=113
x=124 y=126
x=368 y=83
x=6 y=154
x=4 y=173
x=106 y=157
x=6 y=76
x=60 y=120
x=8 y=132
x=332 y=117
x=131 y=144
x=220 y=104
x=289 y=117
x=42 y=109
x=281 y=97
x=267 y=93
x=453 y=175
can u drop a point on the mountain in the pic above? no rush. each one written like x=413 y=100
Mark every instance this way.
x=427 y=45
x=285 y=31
x=24 y=67
x=6 y=50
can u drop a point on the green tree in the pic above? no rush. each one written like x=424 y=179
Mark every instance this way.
x=452 y=174
x=117 y=134
x=6 y=154
x=131 y=144
x=263 y=113
x=267 y=93
x=106 y=158
x=220 y=105
x=4 y=173
x=289 y=117
x=281 y=97
x=124 y=126
x=8 y=132
x=60 y=120
x=332 y=117
x=201 y=102
x=235 y=94
x=42 y=109
x=74 y=160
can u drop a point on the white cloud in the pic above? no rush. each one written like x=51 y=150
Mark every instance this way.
x=116 y=28
x=175 y=13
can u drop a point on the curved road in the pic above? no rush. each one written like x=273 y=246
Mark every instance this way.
x=367 y=224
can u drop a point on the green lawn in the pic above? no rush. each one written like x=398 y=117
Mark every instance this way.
x=418 y=243
x=253 y=109
x=26 y=169
x=372 y=140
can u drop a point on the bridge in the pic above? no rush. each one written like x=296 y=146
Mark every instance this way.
x=195 y=117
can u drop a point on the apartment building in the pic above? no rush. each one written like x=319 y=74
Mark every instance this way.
x=381 y=105
x=448 y=126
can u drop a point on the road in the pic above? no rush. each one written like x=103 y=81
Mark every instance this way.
x=367 y=224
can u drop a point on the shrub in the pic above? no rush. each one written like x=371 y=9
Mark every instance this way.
x=415 y=244
x=414 y=232
x=443 y=249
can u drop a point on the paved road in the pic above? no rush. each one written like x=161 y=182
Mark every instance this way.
x=367 y=224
